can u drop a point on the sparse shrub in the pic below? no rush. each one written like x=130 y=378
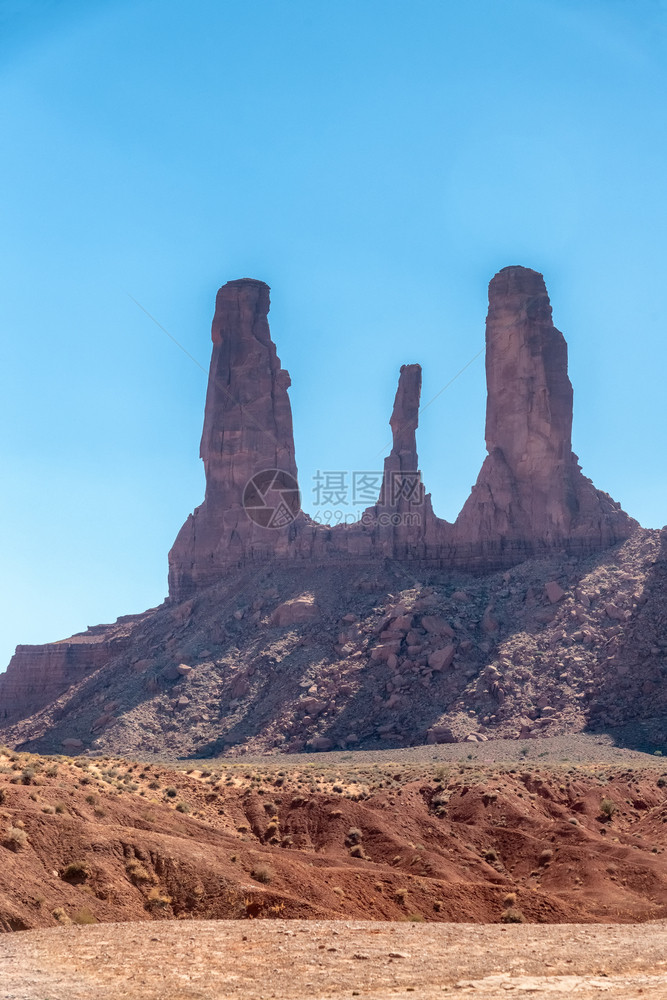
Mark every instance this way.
x=91 y=799
x=156 y=901
x=400 y=896
x=490 y=855
x=183 y=807
x=84 y=917
x=171 y=792
x=354 y=835
x=243 y=828
x=357 y=851
x=287 y=840
x=60 y=915
x=138 y=873
x=27 y=775
x=338 y=789
x=607 y=808
x=545 y=857
x=49 y=810
x=61 y=808
x=510 y=899
x=437 y=905
x=15 y=839
x=154 y=784
x=271 y=830
x=75 y=872
x=439 y=804
x=512 y=916
x=262 y=874
x=3 y=795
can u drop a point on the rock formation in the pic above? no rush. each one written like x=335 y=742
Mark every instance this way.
x=530 y=495
x=403 y=513
x=530 y=498
x=37 y=675
x=247 y=431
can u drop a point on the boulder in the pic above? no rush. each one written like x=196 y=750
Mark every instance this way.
x=321 y=743
x=296 y=611
x=442 y=658
x=435 y=625
x=554 y=591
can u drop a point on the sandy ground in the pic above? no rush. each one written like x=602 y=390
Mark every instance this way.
x=299 y=960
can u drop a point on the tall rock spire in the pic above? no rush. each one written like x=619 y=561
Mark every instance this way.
x=248 y=418
x=530 y=496
x=403 y=513
x=402 y=460
x=247 y=433
x=530 y=493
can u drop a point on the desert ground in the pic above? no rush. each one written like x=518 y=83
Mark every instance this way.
x=303 y=960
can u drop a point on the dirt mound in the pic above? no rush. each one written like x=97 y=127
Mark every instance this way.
x=116 y=840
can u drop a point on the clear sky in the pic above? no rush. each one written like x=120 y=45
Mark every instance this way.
x=374 y=161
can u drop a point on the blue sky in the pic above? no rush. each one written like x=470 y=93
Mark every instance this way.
x=376 y=162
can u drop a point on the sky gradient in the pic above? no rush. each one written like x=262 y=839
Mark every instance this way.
x=375 y=162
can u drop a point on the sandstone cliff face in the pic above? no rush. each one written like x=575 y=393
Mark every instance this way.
x=37 y=675
x=247 y=431
x=530 y=495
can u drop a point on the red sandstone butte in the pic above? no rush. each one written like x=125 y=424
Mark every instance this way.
x=530 y=498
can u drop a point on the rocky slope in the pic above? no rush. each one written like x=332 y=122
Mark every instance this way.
x=541 y=609
x=280 y=659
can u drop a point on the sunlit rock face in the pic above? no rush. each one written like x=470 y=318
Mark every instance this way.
x=530 y=494
x=247 y=431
